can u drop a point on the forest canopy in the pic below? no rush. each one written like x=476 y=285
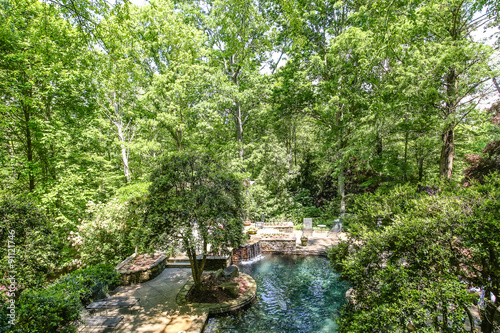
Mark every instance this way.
x=318 y=105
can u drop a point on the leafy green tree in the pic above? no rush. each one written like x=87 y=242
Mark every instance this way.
x=31 y=248
x=413 y=253
x=238 y=34
x=437 y=66
x=196 y=205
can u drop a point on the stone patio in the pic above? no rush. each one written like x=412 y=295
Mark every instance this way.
x=157 y=310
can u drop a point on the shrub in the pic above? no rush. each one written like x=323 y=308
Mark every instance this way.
x=88 y=284
x=110 y=231
x=5 y=326
x=28 y=231
x=47 y=310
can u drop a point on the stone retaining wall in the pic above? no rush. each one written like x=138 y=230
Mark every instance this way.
x=136 y=276
x=277 y=245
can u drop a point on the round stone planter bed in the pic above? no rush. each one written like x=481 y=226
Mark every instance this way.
x=225 y=307
x=140 y=268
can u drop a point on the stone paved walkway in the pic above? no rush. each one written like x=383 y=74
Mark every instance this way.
x=319 y=241
x=157 y=311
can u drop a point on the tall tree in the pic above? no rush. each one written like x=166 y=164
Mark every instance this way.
x=431 y=47
x=238 y=33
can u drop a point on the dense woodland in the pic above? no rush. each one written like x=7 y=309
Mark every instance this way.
x=370 y=110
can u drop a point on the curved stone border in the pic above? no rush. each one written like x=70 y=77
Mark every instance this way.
x=219 y=308
x=135 y=276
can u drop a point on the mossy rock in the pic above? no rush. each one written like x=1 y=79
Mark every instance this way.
x=230 y=288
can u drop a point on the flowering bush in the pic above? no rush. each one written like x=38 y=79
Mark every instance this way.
x=110 y=231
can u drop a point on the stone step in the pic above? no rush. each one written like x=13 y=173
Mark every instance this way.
x=178 y=265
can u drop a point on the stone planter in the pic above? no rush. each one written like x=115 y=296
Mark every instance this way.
x=286 y=227
x=303 y=241
x=135 y=276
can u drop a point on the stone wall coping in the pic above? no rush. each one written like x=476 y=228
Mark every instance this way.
x=279 y=239
x=158 y=261
x=283 y=224
x=219 y=308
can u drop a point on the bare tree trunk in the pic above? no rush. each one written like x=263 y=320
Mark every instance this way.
x=197 y=269
x=405 y=176
x=191 y=252
x=341 y=179
x=125 y=151
x=471 y=318
x=488 y=314
x=420 y=163
x=496 y=84
x=342 y=189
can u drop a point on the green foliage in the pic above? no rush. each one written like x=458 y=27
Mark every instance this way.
x=26 y=235
x=194 y=203
x=87 y=284
x=415 y=267
x=57 y=306
x=110 y=232
x=47 y=310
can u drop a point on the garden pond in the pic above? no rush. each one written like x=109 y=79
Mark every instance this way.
x=297 y=294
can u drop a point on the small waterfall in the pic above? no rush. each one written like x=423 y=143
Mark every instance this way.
x=247 y=254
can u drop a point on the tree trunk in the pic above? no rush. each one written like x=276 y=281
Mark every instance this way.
x=179 y=139
x=405 y=175
x=191 y=252
x=471 y=318
x=341 y=180
x=239 y=130
x=420 y=163
x=496 y=84
x=447 y=150
x=488 y=314
x=124 y=150
x=447 y=154
x=342 y=190
x=197 y=269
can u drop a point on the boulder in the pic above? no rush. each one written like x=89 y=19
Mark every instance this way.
x=230 y=288
x=218 y=274
x=231 y=272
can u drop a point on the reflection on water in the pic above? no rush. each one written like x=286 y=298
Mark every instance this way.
x=294 y=294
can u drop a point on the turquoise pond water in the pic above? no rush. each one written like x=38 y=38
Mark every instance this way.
x=295 y=294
